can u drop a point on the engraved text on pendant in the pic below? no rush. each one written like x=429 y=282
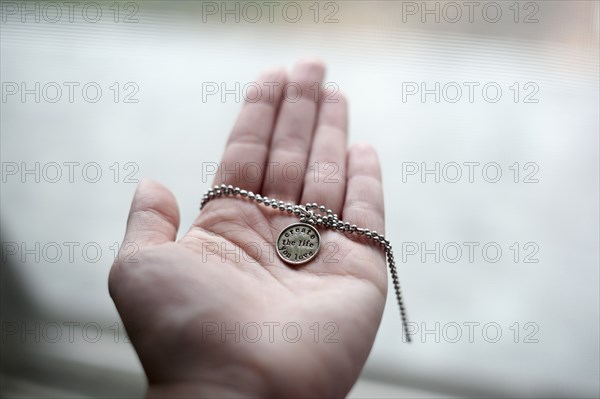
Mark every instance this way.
x=298 y=243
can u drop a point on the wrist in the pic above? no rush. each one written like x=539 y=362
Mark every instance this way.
x=221 y=384
x=196 y=390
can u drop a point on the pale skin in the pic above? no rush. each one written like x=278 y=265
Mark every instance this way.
x=171 y=299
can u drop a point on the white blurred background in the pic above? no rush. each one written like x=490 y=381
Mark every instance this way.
x=541 y=294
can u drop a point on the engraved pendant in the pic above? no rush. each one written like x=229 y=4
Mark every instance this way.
x=298 y=243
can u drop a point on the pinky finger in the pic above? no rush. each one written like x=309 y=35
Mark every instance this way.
x=364 y=192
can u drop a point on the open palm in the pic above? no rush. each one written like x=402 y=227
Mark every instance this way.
x=217 y=313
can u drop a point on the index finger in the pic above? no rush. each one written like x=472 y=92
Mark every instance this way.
x=245 y=154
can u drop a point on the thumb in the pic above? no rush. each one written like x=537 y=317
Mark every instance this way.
x=154 y=216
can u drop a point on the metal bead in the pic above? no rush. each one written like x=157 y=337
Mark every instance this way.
x=251 y=195
x=236 y=191
x=244 y=193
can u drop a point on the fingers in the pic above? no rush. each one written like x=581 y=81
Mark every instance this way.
x=364 y=193
x=293 y=133
x=243 y=163
x=154 y=216
x=325 y=180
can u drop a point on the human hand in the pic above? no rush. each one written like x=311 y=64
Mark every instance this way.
x=176 y=293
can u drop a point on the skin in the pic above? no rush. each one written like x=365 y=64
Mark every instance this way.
x=176 y=295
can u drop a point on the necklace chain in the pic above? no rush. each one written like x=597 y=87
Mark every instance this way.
x=318 y=215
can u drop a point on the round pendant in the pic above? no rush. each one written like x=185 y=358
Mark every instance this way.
x=298 y=243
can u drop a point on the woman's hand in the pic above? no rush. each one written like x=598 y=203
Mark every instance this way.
x=217 y=313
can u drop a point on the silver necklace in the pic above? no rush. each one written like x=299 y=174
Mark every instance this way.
x=299 y=242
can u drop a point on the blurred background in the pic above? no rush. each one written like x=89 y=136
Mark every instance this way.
x=486 y=119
